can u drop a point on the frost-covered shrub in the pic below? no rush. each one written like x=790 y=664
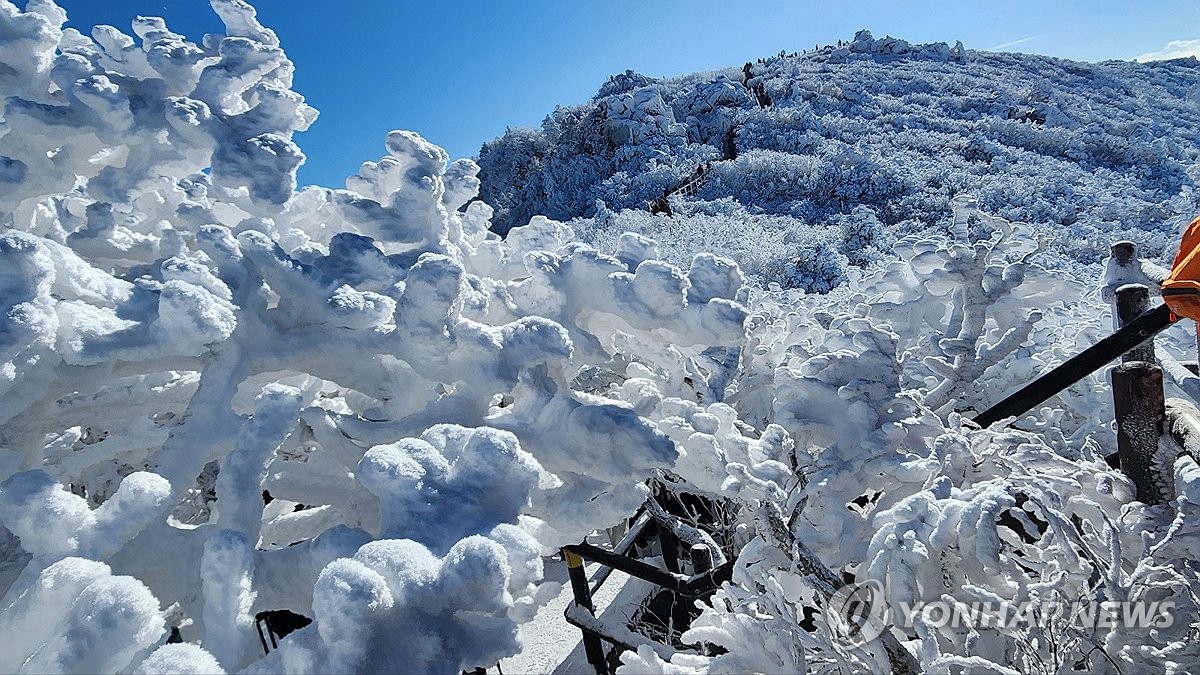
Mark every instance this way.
x=819 y=269
x=221 y=396
x=862 y=236
x=764 y=177
x=858 y=478
x=762 y=245
x=510 y=176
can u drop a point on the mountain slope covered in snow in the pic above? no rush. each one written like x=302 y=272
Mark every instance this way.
x=844 y=149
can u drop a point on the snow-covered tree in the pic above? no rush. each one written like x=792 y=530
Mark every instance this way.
x=221 y=396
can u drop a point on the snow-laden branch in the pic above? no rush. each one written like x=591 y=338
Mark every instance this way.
x=221 y=396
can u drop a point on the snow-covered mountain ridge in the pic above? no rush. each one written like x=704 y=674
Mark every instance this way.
x=861 y=143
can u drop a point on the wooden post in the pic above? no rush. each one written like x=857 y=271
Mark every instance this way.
x=1122 y=268
x=1132 y=300
x=1140 y=412
x=592 y=647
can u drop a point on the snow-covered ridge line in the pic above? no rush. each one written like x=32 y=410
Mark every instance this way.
x=865 y=44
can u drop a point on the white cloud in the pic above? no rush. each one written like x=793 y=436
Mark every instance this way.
x=1175 y=49
x=1013 y=43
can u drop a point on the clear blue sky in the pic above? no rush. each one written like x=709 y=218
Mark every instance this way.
x=459 y=73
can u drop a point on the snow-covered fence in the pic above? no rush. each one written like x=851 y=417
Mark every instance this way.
x=692 y=186
x=1137 y=384
x=581 y=613
x=1123 y=268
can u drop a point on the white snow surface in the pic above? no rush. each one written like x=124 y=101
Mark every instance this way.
x=432 y=409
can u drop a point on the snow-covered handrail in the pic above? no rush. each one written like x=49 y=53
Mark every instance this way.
x=710 y=569
x=1144 y=420
x=1124 y=268
x=582 y=612
x=1181 y=375
x=1183 y=426
x=621 y=548
x=684 y=584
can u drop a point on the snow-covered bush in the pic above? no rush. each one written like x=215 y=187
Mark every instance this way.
x=514 y=186
x=858 y=477
x=220 y=396
x=862 y=236
x=763 y=246
x=818 y=269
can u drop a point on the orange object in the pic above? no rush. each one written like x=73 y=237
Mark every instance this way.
x=1181 y=290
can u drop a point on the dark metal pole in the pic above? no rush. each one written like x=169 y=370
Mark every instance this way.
x=629 y=566
x=702 y=558
x=592 y=647
x=669 y=547
x=697 y=584
x=1079 y=366
x=1138 y=402
x=1132 y=301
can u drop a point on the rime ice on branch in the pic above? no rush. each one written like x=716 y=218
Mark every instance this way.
x=221 y=396
x=346 y=351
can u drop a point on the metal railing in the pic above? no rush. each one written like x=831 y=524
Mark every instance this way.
x=651 y=522
x=689 y=188
x=1139 y=401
